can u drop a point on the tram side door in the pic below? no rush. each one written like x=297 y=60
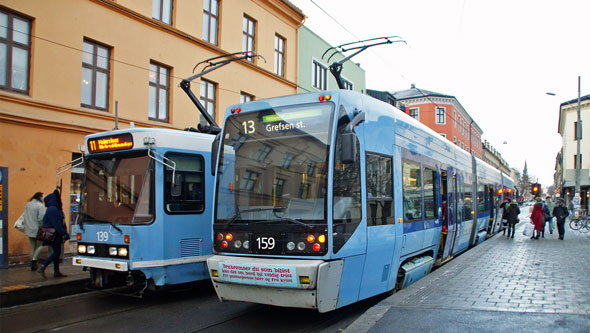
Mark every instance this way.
x=451 y=213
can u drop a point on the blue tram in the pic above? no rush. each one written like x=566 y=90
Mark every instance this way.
x=145 y=217
x=328 y=198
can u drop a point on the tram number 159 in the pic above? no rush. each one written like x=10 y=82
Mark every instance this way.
x=265 y=243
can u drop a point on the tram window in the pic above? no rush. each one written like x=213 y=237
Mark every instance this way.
x=346 y=194
x=481 y=198
x=412 y=190
x=379 y=190
x=430 y=194
x=189 y=169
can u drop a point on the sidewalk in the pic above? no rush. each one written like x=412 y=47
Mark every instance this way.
x=20 y=285
x=502 y=285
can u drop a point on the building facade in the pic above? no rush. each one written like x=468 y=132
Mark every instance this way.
x=67 y=67
x=566 y=160
x=442 y=113
x=314 y=72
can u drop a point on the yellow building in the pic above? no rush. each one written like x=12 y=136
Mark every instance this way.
x=65 y=65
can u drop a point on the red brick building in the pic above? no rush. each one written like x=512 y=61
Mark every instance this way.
x=442 y=113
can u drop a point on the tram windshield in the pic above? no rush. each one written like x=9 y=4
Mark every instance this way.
x=118 y=189
x=273 y=166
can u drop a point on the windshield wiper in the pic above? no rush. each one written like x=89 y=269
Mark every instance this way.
x=260 y=209
x=288 y=219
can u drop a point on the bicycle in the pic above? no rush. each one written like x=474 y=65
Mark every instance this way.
x=580 y=223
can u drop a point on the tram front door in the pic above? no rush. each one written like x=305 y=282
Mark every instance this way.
x=449 y=192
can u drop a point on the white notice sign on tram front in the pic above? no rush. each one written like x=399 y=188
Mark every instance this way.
x=276 y=276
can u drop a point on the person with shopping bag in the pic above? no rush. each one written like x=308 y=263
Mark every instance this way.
x=537 y=217
x=54 y=219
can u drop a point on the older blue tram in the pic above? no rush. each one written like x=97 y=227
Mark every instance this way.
x=328 y=198
x=145 y=217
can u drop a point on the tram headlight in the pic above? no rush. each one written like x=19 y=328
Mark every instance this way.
x=81 y=248
x=301 y=246
x=122 y=252
x=238 y=244
x=90 y=249
x=291 y=246
x=112 y=251
x=246 y=245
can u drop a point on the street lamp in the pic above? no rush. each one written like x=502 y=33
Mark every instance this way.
x=578 y=159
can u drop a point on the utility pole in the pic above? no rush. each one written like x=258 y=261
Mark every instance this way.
x=578 y=158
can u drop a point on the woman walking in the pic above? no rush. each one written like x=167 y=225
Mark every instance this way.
x=54 y=218
x=537 y=217
x=33 y=218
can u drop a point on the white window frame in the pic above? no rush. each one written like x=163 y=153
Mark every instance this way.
x=444 y=115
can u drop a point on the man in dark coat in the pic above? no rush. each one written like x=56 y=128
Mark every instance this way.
x=560 y=212
x=54 y=218
x=512 y=217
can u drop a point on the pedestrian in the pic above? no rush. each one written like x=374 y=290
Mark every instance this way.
x=504 y=206
x=546 y=217
x=537 y=217
x=512 y=217
x=54 y=218
x=33 y=218
x=560 y=212
x=550 y=205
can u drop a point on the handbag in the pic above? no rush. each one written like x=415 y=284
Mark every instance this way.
x=46 y=234
x=20 y=223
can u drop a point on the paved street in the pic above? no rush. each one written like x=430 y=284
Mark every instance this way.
x=507 y=276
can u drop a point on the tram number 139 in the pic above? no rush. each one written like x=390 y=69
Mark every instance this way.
x=265 y=243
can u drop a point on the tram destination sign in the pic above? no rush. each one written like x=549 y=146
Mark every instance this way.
x=110 y=143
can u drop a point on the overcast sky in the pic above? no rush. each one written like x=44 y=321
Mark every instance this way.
x=498 y=58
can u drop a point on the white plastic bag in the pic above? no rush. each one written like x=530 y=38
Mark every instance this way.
x=20 y=224
x=528 y=229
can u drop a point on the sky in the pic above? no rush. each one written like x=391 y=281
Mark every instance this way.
x=498 y=58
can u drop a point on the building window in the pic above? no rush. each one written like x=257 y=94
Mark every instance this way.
x=248 y=35
x=443 y=135
x=159 y=92
x=249 y=180
x=262 y=153
x=415 y=113
x=440 y=115
x=347 y=84
x=455 y=118
x=95 y=75
x=208 y=98
x=15 y=50
x=454 y=139
x=279 y=55
x=277 y=188
x=287 y=159
x=320 y=76
x=162 y=10
x=245 y=98
x=210 y=20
